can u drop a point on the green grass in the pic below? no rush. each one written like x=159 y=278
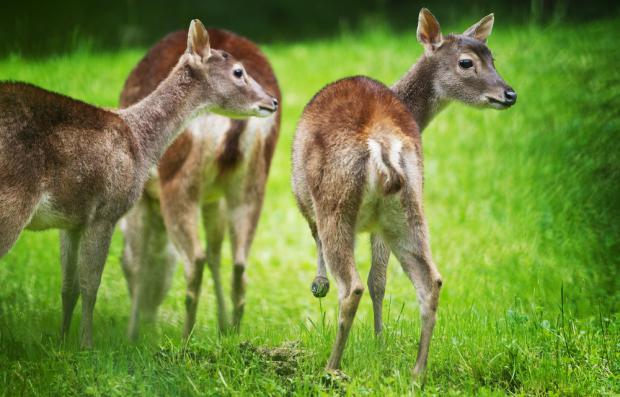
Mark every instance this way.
x=524 y=211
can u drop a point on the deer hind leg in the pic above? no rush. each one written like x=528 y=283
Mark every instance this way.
x=92 y=254
x=69 y=244
x=182 y=225
x=377 y=278
x=337 y=234
x=410 y=245
x=320 y=284
x=243 y=219
x=180 y=206
x=214 y=221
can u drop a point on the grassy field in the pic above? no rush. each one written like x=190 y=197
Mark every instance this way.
x=524 y=212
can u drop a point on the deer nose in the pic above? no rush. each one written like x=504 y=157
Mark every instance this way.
x=275 y=103
x=511 y=96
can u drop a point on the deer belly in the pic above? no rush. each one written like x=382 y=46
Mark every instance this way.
x=368 y=215
x=378 y=210
x=46 y=216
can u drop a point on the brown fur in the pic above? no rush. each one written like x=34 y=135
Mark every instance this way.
x=357 y=166
x=224 y=178
x=175 y=157
x=231 y=154
x=72 y=166
x=343 y=143
x=46 y=148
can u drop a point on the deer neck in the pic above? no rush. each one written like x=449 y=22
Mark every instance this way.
x=418 y=91
x=156 y=119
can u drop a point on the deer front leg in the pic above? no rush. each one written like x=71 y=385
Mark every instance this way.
x=9 y=232
x=320 y=284
x=92 y=254
x=69 y=243
x=133 y=327
x=377 y=278
x=148 y=261
x=15 y=212
x=214 y=221
x=338 y=237
x=135 y=233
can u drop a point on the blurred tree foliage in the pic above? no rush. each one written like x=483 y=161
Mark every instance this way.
x=43 y=27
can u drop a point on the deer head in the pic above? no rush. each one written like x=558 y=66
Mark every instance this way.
x=465 y=68
x=228 y=89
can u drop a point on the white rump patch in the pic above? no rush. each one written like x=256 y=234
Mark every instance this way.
x=396 y=146
x=376 y=163
x=383 y=168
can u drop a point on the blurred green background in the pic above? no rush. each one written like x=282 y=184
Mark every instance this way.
x=523 y=207
x=39 y=27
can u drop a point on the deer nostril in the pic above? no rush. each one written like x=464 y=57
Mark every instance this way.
x=511 y=96
x=275 y=103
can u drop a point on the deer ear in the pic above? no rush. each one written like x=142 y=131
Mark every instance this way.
x=482 y=29
x=198 y=39
x=429 y=32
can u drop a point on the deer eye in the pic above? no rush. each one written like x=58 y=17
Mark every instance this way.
x=466 y=63
x=238 y=73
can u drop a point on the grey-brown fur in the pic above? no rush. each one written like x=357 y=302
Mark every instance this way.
x=68 y=165
x=357 y=166
x=215 y=174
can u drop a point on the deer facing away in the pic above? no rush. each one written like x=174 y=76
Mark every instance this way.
x=68 y=165
x=357 y=166
x=218 y=167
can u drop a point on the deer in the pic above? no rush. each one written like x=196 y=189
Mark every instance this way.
x=358 y=167
x=68 y=165
x=215 y=172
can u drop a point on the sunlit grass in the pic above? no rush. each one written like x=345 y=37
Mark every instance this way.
x=523 y=207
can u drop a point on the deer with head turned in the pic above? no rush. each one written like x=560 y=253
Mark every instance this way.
x=215 y=171
x=68 y=165
x=357 y=166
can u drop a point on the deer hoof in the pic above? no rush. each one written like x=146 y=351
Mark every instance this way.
x=320 y=286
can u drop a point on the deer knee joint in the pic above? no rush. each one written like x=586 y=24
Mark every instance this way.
x=238 y=271
x=190 y=300
x=69 y=289
x=238 y=283
x=376 y=289
x=214 y=265
x=200 y=260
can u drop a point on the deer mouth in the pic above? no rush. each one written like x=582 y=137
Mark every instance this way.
x=497 y=104
x=264 y=110
x=270 y=109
